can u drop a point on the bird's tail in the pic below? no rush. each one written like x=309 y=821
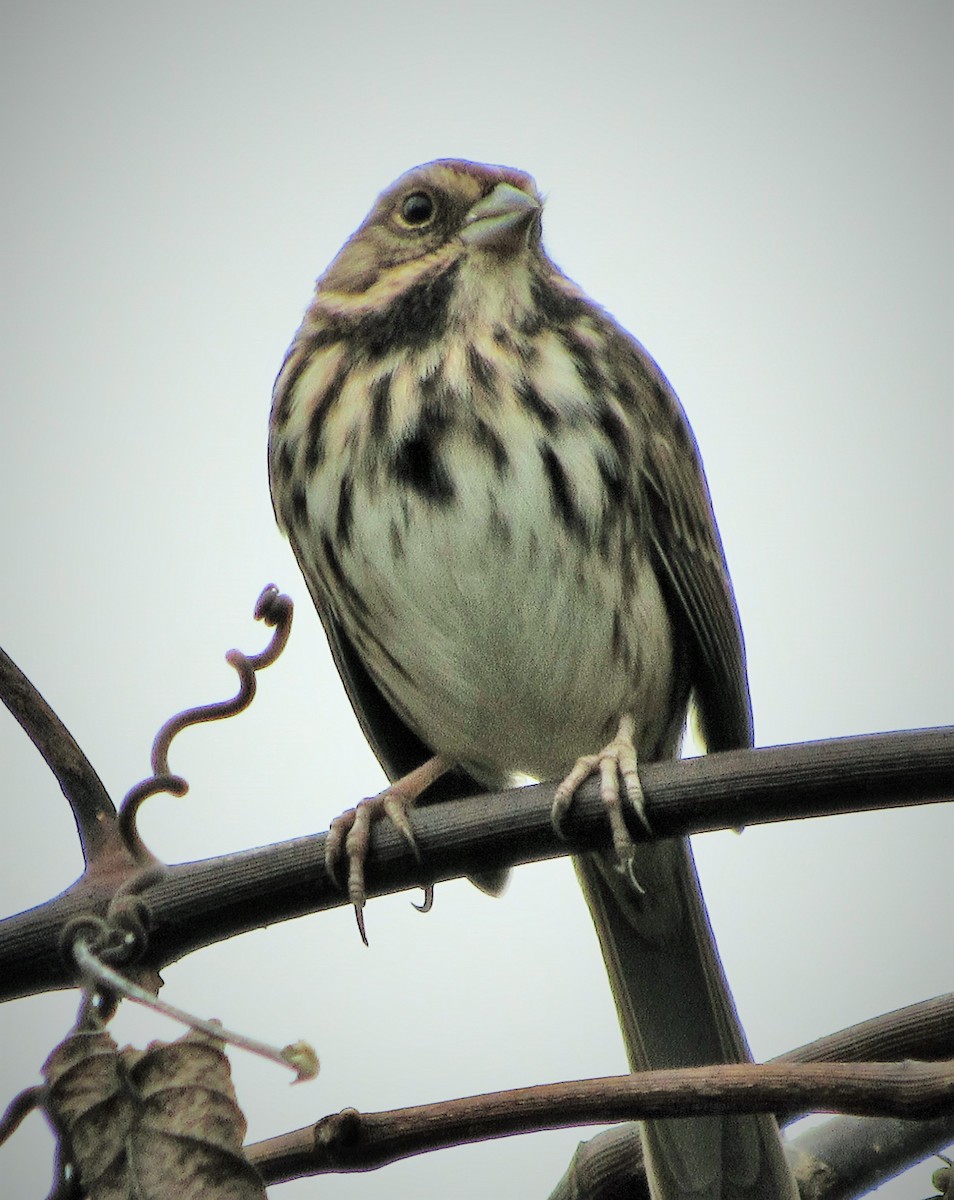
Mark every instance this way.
x=676 y=1010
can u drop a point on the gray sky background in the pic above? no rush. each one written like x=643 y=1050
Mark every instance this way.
x=763 y=194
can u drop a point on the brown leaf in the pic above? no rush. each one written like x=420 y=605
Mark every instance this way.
x=151 y=1124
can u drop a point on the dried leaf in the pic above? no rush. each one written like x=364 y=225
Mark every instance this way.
x=151 y=1124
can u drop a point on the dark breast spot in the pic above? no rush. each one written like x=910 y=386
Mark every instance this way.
x=545 y=413
x=584 y=360
x=483 y=371
x=614 y=427
x=499 y=525
x=491 y=442
x=281 y=408
x=515 y=344
x=561 y=490
x=345 y=512
x=617 y=634
x=553 y=305
x=321 y=407
x=298 y=505
x=612 y=477
x=418 y=463
x=632 y=376
x=339 y=583
x=397 y=542
x=380 y=402
x=282 y=460
x=438 y=401
x=661 y=394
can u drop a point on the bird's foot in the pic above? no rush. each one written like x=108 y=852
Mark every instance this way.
x=350 y=834
x=615 y=761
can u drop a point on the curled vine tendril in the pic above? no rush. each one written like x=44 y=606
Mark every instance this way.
x=275 y=609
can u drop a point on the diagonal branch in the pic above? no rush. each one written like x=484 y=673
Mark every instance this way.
x=923 y=1030
x=92 y=808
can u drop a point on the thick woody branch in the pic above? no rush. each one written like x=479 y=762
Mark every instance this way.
x=196 y=904
x=352 y=1141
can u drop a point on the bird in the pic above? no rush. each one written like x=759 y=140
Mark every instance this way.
x=501 y=514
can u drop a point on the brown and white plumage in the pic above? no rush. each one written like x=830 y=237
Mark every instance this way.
x=501 y=514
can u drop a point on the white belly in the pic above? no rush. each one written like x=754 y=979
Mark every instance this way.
x=501 y=622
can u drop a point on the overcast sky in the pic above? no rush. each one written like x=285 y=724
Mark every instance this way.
x=762 y=194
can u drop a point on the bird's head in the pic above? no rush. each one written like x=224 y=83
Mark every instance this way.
x=433 y=217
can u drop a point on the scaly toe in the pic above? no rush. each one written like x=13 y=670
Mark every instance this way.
x=629 y=771
x=617 y=760
x=349 y=836
x=396 y=806
x=335 y=844
x=582 y=769
x=609 y=793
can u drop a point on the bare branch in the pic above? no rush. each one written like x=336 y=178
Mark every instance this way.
x=809 y=779
x=352 y=1141
x=609 y=1166
x=849 y=1156
x=196 y=904
x=924 y=1030
x=92 y=808
x=831 y=1162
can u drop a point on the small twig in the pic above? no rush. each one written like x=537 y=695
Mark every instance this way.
x=298 y=1055
x=275 y=609
x=93 y=810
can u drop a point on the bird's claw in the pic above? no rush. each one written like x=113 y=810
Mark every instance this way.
x=583 y=768
x=627 y=869
x=614 y=762
x=349 y=838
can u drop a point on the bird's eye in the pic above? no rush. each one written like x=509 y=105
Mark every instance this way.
x=417 y=209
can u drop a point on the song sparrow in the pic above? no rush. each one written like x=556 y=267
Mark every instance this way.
x=500 y=512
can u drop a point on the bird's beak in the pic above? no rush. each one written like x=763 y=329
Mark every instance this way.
x=501 y=220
